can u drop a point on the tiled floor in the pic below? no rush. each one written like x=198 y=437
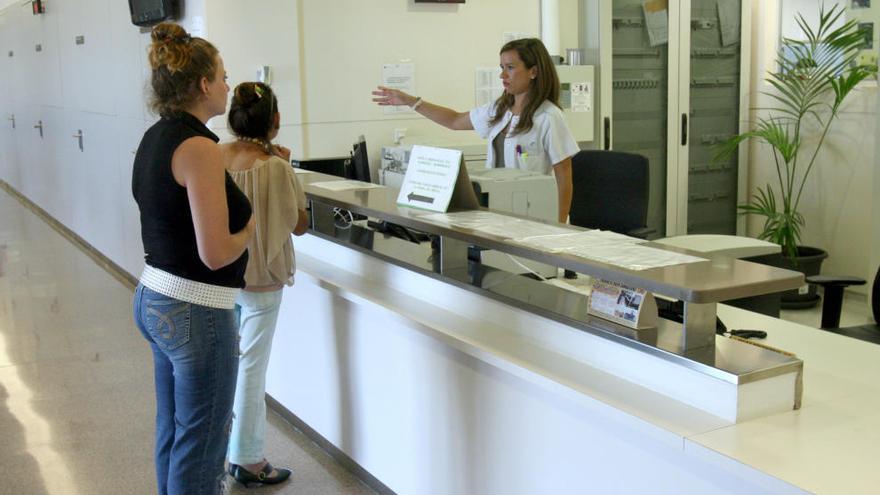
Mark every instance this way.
x=76 y=388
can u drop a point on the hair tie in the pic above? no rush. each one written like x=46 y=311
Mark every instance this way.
x=185 y=39
x=258 y=91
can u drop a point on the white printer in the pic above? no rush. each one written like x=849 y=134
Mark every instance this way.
x=521 y=192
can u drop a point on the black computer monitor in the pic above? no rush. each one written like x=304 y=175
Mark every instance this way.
x=338 y=166
x=360 y=164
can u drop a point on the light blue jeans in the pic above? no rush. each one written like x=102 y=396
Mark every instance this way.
x=258 y=313
x=195 y=360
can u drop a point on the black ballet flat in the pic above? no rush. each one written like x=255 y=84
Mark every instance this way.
x=250 y=479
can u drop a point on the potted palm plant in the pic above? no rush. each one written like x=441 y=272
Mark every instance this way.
x=813 y=78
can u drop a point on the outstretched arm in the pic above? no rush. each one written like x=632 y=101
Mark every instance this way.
x=447 y=117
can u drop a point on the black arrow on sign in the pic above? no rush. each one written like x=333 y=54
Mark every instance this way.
x=416 y=197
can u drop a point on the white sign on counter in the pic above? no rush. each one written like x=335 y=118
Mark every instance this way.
x=432 y=176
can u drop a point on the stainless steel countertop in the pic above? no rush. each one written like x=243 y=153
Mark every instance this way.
x=720 y=278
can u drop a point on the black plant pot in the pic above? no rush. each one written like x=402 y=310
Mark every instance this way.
x=808 y=262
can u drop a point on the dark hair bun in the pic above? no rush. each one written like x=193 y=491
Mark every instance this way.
x=253 y=108
x=246 y=93
x=171 y=47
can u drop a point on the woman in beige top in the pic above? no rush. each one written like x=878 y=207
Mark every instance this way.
x=263 y=172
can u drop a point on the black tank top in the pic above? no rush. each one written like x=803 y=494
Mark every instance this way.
x=166 y=219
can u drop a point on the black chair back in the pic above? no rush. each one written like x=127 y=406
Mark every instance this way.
x=610 y=191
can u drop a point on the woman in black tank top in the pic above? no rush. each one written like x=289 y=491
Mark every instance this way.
x=195 y=226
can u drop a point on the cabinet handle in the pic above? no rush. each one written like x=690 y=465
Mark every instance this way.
x=39 y=125
x=684 y=129
x=79 y=137
x=607 y=131
x=12 y=118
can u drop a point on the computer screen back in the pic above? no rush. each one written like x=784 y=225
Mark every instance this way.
x=360 y=163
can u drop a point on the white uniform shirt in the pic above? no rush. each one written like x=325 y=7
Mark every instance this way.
x=547 y=143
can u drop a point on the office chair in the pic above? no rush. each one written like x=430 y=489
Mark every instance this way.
x=610 y=192
x=833 y=302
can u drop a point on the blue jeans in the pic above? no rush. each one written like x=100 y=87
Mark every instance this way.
x=258 y=313
x=195 y=353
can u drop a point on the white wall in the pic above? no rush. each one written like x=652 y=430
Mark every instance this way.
x=328 y=56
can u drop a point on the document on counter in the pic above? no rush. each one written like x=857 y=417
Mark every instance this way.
x=610 y=248
x=574 y=240
x=344 y=185
x=633 y=256
x=496 y=224
x=298 y=171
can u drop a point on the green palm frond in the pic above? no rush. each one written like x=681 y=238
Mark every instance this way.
x=814 y=76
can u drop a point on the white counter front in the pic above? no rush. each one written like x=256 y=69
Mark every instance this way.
x=435 y=389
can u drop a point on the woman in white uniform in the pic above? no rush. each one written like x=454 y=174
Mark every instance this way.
x=525 y=127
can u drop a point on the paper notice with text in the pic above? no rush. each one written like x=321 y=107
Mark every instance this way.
x=657 y=21
x=400 y=76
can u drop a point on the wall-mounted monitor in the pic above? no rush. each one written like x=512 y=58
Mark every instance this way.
x=151 y=12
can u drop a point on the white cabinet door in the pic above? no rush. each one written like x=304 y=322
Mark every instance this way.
x=130 y=65
x=68 y=202
x=86 y=46
x=8 y=167
x=32 y=155
x=46 y=81
x=99 y=172
x=55 y=148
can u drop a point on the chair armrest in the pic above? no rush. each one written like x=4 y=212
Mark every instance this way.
x=831 y=280
x=642 y=233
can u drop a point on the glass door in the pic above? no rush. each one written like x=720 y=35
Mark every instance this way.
x=712 y=115
x=640 y=96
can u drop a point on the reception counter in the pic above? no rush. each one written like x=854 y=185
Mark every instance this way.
x=437 y=381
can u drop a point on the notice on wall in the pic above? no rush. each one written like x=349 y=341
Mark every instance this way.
x=487 y=85
x=728 y=17
x=431 y=176
x=400 y=76
x=657 y=21
x=581 y=97
x=509 y=36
